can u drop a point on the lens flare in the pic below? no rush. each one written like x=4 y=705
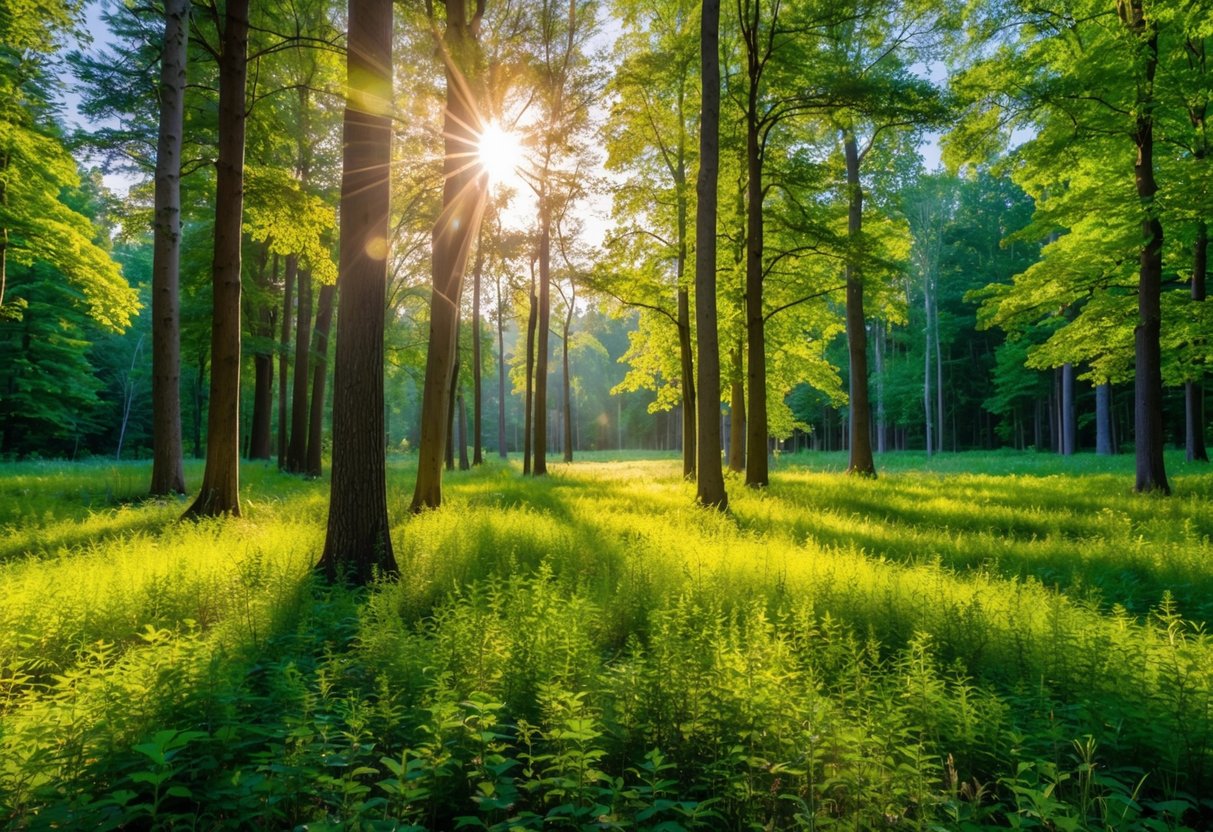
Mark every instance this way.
x=500 y=153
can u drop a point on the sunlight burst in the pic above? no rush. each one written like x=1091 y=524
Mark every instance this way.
x=500 y=152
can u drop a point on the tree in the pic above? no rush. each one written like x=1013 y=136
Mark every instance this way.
x=220 y=492
x=463 y=199
x=168 y=473
x=710 y=479
x=358 y=540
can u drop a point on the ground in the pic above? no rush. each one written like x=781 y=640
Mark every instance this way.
x=972 y=640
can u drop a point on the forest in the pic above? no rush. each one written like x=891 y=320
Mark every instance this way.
x=605 y=414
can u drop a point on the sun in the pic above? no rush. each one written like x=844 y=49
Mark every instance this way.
x=500 y=153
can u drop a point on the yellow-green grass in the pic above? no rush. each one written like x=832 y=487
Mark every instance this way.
x=833 y=651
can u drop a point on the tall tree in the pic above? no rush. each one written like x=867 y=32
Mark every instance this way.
x=358 y=541
x=220 y=492
x=320 y=348
x=168 y=472
x=463 y=200
x=710 y=478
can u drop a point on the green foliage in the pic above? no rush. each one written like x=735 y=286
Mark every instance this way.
x=587 y=651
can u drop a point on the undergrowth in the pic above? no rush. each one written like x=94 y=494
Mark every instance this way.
x=941 y=649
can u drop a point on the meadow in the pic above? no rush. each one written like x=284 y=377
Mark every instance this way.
x=967 y=642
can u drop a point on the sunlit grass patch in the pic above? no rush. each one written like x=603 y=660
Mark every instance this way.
x=942 y=647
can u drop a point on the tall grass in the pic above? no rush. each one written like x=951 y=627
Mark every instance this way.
x=990 y=642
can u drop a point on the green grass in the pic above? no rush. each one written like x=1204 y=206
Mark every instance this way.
x=970 y=641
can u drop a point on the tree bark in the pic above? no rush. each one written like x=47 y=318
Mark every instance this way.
x=320 y=350
x=539 y=466
x=358 y=542
x=458 y=224
x=284 y=351
x=1148 y=434
x=756 y=471
x=737 y=426
x=528 y=398
x=878 y=357
x=926 y=368
x=453 y=390
x=1194 y=391
x=296 y=452
x=710 y=489
x=477 y=400
x=502 y=451
x=263 y=369
x=168 y=468
x=1103 y=420
x=567 y=390
x=860 y=461
x=464 y=465
x=686 y=359
x=1069 y=416
x=220 y=492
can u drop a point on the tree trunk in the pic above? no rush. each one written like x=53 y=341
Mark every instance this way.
x=320 y=350
x=220 y=492
x=756 y=472
x=539 y=465
x=464 y=465
x=168 y=469
x=296 y=452
x=501 y=446
x=1069 y=416
x=199 y=384
x=860 y=456
x=477 y=401
x=284 y=351
x=706 y=410
x=1151 y=470
x=1194 y=391
x=687 y=364
x=939 y=417
x=453 y=389
x=358 y=542
x=737 y=426
x=463 y=193
x=528 y=398
x=263 y=369
x=567 y=433
x=1103 y=419
x=926 y=368
x=878 y=356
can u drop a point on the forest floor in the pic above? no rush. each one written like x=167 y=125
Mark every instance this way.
x=968 y=641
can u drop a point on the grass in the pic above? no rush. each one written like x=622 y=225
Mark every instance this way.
x=970 y=641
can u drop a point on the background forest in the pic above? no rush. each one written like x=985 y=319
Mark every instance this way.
x=1000 y=296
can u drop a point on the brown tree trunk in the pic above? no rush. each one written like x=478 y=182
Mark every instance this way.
x=1148 y=433
x=220 y=492
x=464 y=465
x=737 y=427
x=462 y=209
x=284 y=351
x=566 y=390
x=453 y=389
x=358 y=542
x=501 y=445
x=1194 y=391
x=320 y=350
x=860 y=461
x=296 y=452
x=756 y=470
x=263 y=369
x=528 y=398
x=1069 y=415
x=539 y=466
x=168 y=471
x=706 y=411
x=686 y=359
x=477 y=401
